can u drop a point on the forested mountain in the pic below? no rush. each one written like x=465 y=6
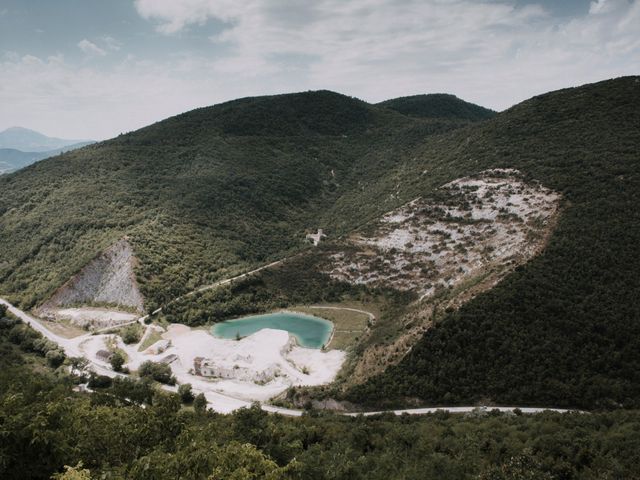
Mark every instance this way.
x=215 y=191
x=565 y=328
x=200 y=195
x=438 y=105
x=107 y=435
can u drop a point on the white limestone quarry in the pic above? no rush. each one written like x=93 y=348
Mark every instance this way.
x=255 y=368
x=493 y=218
x=109 y=280
x=88 y=317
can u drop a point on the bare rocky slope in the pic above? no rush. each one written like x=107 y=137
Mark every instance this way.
x=109 y=279
x=446 y=250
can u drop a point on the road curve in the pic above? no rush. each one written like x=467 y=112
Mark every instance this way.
x=226 y=404
x=371 y=316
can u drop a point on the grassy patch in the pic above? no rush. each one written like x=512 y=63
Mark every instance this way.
x=152 y=338
x=63 y=328
x=349 y=325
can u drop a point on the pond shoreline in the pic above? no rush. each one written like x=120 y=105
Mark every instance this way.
x=316 y=340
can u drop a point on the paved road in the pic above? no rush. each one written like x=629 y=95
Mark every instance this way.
x=425 y=411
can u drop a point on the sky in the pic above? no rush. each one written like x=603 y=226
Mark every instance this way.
x=92 y=69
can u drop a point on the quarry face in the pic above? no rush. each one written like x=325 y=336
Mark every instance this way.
x=431 y=244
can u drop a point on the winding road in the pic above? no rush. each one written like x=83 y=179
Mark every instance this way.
x=225 y=403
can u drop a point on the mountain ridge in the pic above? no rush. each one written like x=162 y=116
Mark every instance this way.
x=438 y=105
x=27 y=140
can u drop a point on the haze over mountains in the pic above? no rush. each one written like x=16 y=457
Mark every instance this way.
x=20 y=147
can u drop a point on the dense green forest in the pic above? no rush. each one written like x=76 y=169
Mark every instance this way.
x=296 y=282
x=438 y=105
x=45 y=426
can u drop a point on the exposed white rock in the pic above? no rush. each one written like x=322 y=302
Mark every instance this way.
x=88 y=317
x=490 y=218
x=108 y=279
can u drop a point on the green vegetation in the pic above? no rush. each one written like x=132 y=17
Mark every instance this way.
x=186 y=394
x=200 y=403
x=117 y=361
x=295 y=282
x=131 y=333
x=160 y=372
x=565 y=328
x=201 y=196
x=213 y=192
x=30 y=340
x=349 y=326
x=153 y=337
x=46 y=427
x=438 y=105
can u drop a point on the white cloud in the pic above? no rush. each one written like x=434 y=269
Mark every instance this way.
x=111 y=43
x=71 y=101
x=489 y=52
x=91 y=48
x=176 y=15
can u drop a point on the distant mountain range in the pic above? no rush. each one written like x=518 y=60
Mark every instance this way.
x=20 y=147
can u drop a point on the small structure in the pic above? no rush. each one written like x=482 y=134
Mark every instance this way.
x=104 y=355
x=197 y=363
x=205 y=367
x=158 y=347
x=169 y=359
x=315 y=237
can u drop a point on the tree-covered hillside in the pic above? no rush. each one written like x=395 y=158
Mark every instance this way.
x=565 y=328
x=201 y=195
x=212 y=192
x=438 y=105
x=135 y=430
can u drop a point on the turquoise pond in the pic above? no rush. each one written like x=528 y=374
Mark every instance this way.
x=310 y=331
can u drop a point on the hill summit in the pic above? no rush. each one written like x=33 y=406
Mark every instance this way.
x=438 y=105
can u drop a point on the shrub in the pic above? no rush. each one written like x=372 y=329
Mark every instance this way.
x=117 y=361
x=160 y=372
x=99 y=381
x=131 y=334
x=200 y=403
x=185 y=392
x=55 y=357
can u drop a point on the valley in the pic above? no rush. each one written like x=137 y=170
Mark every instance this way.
x=443 y=251
x=469 y=273
x=328 y=240
x=437 y=223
